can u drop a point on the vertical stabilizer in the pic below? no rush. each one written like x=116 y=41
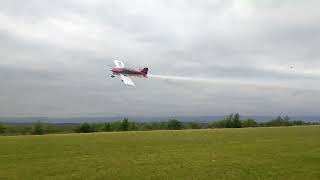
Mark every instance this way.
x=145 y=71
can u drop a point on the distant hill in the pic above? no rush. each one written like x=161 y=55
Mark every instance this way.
x=202 y=119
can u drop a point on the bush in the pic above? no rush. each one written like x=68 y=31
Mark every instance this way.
x=218 y=124
x=50 y=129
x=154 y=126
x=26 y=130
x=107 y=127
x=133 y=126
x=249 y=123
x=297 y=123
x=194 y=125
x=2 y=129
x=116 y=126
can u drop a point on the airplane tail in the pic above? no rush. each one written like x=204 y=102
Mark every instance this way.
x=145 y=71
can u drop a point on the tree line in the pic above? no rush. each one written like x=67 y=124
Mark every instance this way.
x=231 y=121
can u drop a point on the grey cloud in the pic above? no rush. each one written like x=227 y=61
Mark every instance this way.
x=55 y=57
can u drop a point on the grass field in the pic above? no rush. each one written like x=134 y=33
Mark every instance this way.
x=248 y=153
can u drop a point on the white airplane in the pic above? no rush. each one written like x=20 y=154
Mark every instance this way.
x=124 y=73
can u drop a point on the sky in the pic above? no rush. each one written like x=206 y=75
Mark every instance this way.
x=255 y=57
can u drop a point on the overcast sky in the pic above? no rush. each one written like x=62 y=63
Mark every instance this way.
x=260 y=57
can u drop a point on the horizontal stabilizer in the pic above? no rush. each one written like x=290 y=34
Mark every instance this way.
x=119 y=64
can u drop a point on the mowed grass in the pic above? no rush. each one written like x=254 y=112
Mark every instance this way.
x=250 y=153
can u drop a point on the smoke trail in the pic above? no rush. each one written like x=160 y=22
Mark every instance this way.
x=245 y=82
x=203 y=80
x=182 y=78
x=199 y=79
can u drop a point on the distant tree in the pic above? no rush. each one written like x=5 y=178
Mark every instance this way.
x=26 y=130
x=231 y=121
x=286 y=121
x=85 y=128
x=194 y=125
x=107 y=127
x=50 y=129
x=133 y=126
x=2 y=129
x=164 y=125
x=174 y=124
x=148 y=126
x=275 y=122
x=286 y=118
x=154 y=126
x=124 y=125
x=279 y=121
x=228 y=121
x=297 y=123
x=116 y=126
x=38 y=128
x=236 y=123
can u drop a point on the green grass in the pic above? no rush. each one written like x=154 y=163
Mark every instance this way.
x=250 y=153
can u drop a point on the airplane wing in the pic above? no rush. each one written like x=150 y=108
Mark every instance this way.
x=118 y=64
x=126 y=80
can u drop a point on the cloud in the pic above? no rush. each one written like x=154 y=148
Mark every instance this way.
x=55 y=57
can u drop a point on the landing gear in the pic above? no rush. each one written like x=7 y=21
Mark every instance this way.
x=112 y=76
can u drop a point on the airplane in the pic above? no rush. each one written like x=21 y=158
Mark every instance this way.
x=124 y=73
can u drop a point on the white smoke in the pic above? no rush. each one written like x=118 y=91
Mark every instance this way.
x=292 y=85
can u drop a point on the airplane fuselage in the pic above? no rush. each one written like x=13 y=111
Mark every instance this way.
x=129 y=72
